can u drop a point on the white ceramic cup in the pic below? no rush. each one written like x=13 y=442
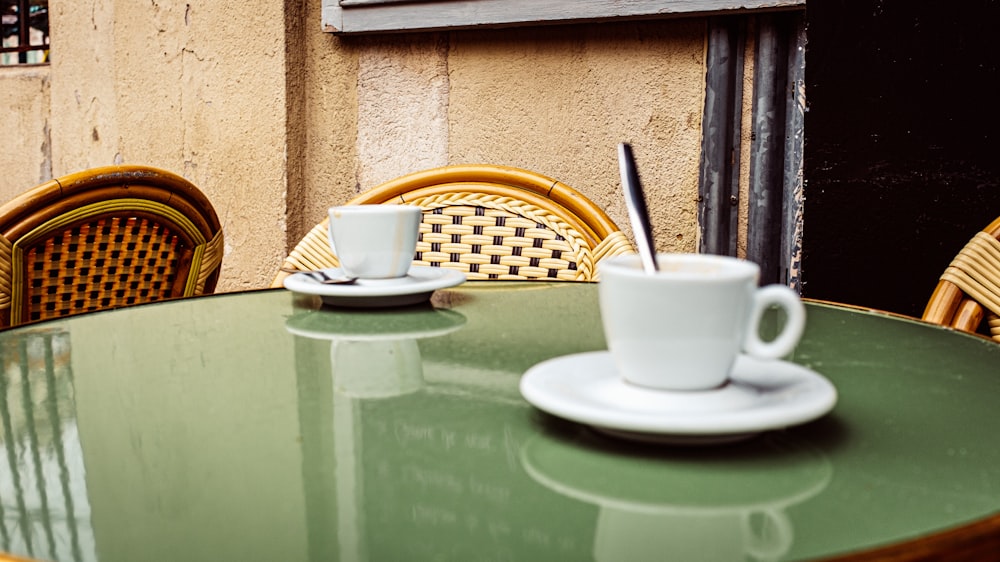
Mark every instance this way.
x=683 y=327
x=374 y=241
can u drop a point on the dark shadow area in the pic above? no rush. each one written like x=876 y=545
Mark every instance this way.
x=821 y=437
x=900 y=151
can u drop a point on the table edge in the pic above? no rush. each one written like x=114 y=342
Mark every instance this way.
x=978 y=541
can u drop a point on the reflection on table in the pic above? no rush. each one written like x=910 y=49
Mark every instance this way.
x=700 y=504
x=44 y=510
x=261 y=426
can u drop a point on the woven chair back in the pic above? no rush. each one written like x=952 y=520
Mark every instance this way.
x=104 y=238
x=490 y=222
x=967 y=296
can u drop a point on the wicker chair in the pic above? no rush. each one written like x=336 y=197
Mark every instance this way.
x=490 y=222
x=970 y=287
x=104 y=238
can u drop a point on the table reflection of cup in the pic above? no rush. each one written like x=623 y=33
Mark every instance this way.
x=762 y=534
x=726 y=504
x=375 y=353
x=376 y=369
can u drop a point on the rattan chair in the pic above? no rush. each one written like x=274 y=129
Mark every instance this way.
x=104 y=238
x=490 y=222
x=969 y=288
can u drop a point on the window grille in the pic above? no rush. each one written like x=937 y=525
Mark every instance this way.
x=24 y=25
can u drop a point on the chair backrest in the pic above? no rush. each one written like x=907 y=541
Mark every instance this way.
x=104 y=238
x=490 y=222
x=969 y=288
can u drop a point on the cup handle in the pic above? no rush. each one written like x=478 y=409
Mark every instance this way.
x=773 y=540
x=786 y=299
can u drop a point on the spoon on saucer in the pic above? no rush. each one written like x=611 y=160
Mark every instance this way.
x=323 y=277
x=636 y=204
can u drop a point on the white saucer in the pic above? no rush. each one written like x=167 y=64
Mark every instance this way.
x=418 y=286
x=760 y=396
x=382 y=325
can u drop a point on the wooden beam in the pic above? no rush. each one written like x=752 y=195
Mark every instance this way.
x=372 y=16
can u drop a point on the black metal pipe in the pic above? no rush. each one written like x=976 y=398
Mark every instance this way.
x=718 y=185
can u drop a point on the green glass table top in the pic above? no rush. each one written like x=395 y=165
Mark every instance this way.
x=261 y=426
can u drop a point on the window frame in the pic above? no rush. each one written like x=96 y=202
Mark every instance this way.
x=24 y=45
x=345 y=17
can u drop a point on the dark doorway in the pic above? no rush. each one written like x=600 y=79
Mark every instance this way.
x=901 y=147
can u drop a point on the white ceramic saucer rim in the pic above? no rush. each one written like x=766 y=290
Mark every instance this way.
x=806 y=397
x=419 y=279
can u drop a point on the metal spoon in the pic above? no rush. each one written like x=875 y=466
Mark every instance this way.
x=636 y=204
x=323 y=277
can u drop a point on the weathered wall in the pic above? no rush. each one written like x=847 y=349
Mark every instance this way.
x=84 y=105
x=322 y=159
x=559 y=101
x=24 y=160
x=276 y=120
x=198 y=89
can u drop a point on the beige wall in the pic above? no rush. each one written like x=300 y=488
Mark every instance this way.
x=198 y=89
x=559 y=100
x=276 y=120
x=25 y=158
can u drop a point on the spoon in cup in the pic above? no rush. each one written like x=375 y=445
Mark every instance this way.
x=635 y=201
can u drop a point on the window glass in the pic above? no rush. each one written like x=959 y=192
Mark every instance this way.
x=24 y=26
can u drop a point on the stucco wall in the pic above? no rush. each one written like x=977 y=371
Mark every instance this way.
x=24 y=161
x=559 y=100
x=276 y=120
x=198 y=89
